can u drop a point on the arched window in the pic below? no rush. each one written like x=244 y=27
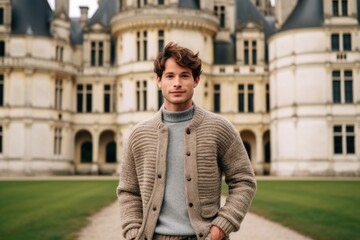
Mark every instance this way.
x=248 y=149
x=86 y=152
x=111 y=152
x=267 y=153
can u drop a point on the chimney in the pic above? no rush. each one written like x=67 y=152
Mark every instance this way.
x=62 y=5
x=83 y=16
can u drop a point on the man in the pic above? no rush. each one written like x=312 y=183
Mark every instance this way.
x=170 y=179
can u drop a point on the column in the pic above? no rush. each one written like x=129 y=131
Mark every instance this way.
x=259 y=164
x=95 y=153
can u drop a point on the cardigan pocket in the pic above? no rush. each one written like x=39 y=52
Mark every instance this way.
x=209 y=211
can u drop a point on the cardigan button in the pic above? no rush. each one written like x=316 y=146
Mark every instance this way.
x=188 y=131
x=191 y=204
x=188 y=153
x=159 y=176
x=188 y=178
x=201 y=235
x=154 y=209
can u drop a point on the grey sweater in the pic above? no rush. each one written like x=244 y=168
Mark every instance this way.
x=212 y=147
x=173 y=218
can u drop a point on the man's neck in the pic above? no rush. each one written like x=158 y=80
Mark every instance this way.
x=178 y=107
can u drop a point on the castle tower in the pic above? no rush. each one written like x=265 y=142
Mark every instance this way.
x=314 y=90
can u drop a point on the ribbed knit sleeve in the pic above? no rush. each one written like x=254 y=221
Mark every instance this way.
x=128 y=191
x=239 y=176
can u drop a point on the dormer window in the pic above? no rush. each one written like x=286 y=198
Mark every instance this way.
x=97 y=53
x=340 y=8
x=219 y=11
x=250 y=52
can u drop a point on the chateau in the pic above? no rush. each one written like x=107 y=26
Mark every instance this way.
x=286 y=76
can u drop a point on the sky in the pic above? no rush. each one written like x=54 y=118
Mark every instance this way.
x=92 y=4
x=75 y=4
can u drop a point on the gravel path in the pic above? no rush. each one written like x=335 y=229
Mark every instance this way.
x=105 y=225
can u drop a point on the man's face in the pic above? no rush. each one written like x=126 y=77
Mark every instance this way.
x=177 y=85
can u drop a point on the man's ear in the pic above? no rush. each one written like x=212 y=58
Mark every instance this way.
x=196 y=81
x=158 y=81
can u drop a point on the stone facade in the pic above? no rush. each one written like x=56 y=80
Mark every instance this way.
x=71 y=89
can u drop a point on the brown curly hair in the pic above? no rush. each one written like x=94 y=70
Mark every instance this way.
x=183 y=56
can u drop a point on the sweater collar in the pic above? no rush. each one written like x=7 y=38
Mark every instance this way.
x=198 y=116
x=174 y=117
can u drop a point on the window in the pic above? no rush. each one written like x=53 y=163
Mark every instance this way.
x=250 y=49
x=1 y=139
x=57 y=141
x=58 y=93
x=141 y=95
x=340 y=6
x=217 y=102
x=108 y=93
x=160 y=99
x=59 y=53
x=337 y=139
x=246 y=52
x=267 y=98
x=86 y=152
x=111 y=152
x=348 y=86
x=335 y=45
x=337 y=41
x=335 y=7
x=344 y=8
x=342 y=86
x=344 y=139
x=246 y=98
x=241 y=98
x=161 y=40
x=141 y=45
x=84 y=98
x=161 y=2
x=2 y=49
x=347 y=42
x=2 y=16
x=97 y=53
x=219 y=11
x=1 y=90
x=250 y=98
x=253 y=50
x=336 y=86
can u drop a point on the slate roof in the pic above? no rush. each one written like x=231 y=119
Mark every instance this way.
x=76 y=34
x=192 y=4
x=307 y=13
x=106 y=10
x=31 y=17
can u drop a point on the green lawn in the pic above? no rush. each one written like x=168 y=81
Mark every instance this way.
x=319 y=209
x=50 y=209
x=59 y=209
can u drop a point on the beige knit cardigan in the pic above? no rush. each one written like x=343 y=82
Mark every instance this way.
x=212 y=147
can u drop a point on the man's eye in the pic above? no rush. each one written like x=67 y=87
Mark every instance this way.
x=185 y=76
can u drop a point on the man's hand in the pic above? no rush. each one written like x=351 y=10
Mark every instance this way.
x=216 y=233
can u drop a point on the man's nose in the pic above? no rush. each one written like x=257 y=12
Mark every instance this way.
x=177 y=81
